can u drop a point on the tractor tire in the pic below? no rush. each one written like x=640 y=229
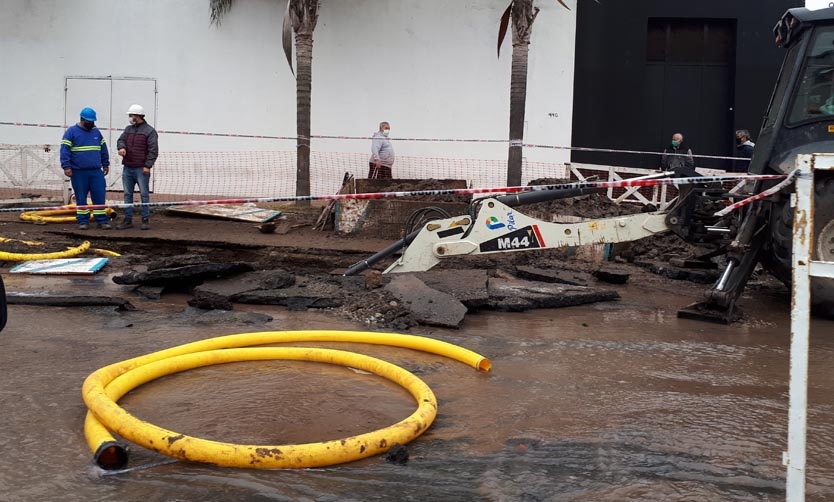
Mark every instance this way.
x=777 y=258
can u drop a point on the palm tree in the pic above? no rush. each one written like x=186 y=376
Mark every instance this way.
x=522 y=13
x=301 y=17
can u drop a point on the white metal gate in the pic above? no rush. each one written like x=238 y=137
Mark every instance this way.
x=110 y=97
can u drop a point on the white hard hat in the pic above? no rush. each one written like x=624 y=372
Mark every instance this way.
x=136 y=110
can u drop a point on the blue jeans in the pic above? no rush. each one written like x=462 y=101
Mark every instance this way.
x=131 y=176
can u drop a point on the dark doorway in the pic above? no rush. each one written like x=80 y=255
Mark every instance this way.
x=690 y=69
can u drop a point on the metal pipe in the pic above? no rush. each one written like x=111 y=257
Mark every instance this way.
x=363 y=265
x=722 y=283
x=719 y=230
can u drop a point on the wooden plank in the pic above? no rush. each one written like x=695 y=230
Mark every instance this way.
x=238 y=212
x=61 y=266
x=327 y=213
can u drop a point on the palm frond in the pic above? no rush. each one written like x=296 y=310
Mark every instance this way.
x=286 y=36
x=502 y=27
x=218 y=9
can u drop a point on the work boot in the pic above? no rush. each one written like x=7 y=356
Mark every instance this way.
x=83 y=226
x=104 y=226
x=125 y=224
x=146 y=225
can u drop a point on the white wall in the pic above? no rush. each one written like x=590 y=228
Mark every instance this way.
x=427 y=66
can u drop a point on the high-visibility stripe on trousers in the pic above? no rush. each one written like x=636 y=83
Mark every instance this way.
x=89 y=181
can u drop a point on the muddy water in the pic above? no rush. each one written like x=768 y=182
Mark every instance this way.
x=615 y=401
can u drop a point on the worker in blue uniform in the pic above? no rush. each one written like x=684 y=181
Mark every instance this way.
x=85 y=160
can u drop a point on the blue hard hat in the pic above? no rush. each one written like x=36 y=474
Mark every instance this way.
x=88 y=114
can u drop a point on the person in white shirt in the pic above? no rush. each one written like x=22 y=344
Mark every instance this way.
x=382 y=154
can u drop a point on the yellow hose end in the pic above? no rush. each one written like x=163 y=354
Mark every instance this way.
x=111 y=456
x=105 y=252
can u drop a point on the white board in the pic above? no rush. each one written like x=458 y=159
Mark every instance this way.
x=61 y=266
x=240 y=212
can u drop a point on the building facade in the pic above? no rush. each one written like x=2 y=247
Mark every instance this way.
x=428 y=67
x=647 y=69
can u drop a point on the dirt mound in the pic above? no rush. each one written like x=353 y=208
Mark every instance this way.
x=428 y=185
x=659 y=247
x=596 y=205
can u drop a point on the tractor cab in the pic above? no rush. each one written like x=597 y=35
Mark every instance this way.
x=800 y=116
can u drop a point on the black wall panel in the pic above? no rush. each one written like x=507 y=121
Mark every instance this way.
x=714 y=75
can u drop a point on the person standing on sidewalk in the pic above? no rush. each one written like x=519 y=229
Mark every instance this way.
x=678 y=158
x=382 y=154
x=85 y=160
x=745 y=151
x=139 y=147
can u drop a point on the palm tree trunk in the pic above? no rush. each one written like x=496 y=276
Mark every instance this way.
x=303 y=87
x=523 y=15
x=518 y=102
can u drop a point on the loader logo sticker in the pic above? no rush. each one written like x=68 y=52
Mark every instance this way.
x=523 y=238
x=493 y=223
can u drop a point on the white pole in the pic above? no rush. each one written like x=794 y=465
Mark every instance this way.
x=803 y=226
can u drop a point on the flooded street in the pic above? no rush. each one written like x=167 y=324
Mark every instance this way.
x=612 y=401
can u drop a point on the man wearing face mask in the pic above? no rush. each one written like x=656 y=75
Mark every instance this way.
x=382 y=154
x=678 y=159
x=139 y=147
x=745 y=150
x=85 y=160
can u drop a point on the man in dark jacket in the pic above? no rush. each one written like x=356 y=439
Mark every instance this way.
x=139 y=147
x=745 y=151
x=85 y=160
x=678 y=158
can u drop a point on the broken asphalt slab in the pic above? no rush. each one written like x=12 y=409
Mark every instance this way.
x=185 y=276
x=68 y=301
x=699 y=276
x=294 y=298
x=469 y=286
x=429 y=306
x=518 y=295
x=554 y=275
x=612 y=275
x=308 y=292
x=221 y=293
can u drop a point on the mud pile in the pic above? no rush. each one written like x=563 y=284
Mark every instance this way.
x=427 y=185
x=659 y=247
x=596 y=205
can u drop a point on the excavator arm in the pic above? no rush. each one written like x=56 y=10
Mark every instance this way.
x=499 y=228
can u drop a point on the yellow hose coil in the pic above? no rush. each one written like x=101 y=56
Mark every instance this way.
x=105 y=386
x=54 y=215
x=69 y=253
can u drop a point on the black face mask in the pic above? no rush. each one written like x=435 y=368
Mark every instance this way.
x=739 y=141
x=86 y=124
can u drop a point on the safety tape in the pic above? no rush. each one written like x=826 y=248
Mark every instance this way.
x=759 y=196
x=513 y=143
x=636 y=182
